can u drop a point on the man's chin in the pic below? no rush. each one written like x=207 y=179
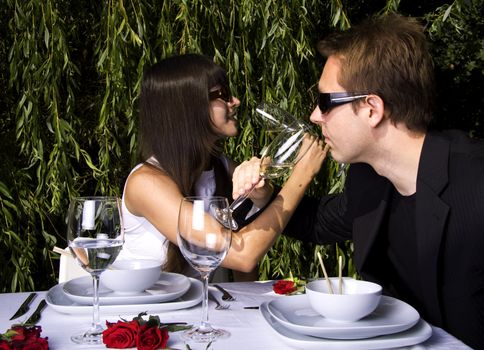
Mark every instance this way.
x=336 y=157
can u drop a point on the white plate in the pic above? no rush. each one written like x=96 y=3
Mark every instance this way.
x=390 y=316
x=169 y=287
x=415 y=335
x=58 y=300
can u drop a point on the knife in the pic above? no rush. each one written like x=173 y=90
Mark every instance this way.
x=24 y=307
x=35 y=317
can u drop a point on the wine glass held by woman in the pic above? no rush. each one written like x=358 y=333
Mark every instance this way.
x=281 y=154
x=252 y=174
x=186 y=111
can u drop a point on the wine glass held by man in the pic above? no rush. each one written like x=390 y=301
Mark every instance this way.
x=186 y=111
x=95 y=237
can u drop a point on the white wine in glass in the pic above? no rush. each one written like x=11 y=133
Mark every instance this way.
x=95 y=236
x=204 y=241
x=281 y=154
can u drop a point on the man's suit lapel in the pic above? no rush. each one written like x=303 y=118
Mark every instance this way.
x=431 y=216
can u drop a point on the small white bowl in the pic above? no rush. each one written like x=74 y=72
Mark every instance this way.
x=359 y=298
x=131 y=276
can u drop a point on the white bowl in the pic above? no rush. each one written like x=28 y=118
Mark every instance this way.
x=359 y=298
x=131 y=276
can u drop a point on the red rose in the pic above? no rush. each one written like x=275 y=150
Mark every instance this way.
x=32 y=332
x=121 y=334
x=151 y=338
x=284 y=287
x=20 y=334
x=4 y=345
x=26 y=338
x=36 y=344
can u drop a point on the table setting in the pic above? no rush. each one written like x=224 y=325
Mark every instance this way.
x=134 y=304
x=250 y=327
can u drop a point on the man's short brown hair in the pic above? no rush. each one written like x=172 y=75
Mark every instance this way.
x=388 y=56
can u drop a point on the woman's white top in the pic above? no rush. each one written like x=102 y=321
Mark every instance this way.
x=142 y=239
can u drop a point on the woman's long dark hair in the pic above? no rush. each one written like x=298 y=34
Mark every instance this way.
x=175 y=123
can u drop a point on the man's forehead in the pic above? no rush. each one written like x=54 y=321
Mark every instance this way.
x=328 y=82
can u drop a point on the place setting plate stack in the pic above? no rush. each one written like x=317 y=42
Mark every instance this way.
x=293 y=320
x=344 y=313
x=124 y=286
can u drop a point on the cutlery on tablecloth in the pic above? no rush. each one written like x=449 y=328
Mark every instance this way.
x=219 y=306
x=226 y=295
x=35 y=317
x=22 y=310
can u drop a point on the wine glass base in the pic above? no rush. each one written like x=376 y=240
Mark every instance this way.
x=223 y=218
x=199 y=335
x=87 y=339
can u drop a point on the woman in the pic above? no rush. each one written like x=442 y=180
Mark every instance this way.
x=186 y=109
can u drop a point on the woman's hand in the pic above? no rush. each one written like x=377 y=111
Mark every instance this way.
x=246 y=178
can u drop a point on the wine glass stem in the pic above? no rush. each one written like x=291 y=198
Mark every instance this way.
x=240 y=199
x=96 y=327
x=204 y=325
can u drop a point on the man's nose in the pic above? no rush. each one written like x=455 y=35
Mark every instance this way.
x=316 y=116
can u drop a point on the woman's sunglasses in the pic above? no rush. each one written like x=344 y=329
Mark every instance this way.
x=327 y=101
x=223 y=93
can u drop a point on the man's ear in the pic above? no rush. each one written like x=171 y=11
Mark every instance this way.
x=377 y=109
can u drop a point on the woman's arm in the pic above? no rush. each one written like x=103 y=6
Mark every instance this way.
x=153 y=195
x=251 y=243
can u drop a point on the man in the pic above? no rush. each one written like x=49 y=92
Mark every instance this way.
x=413 y=202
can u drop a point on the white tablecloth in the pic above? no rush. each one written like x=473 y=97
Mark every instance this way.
x=247 y=327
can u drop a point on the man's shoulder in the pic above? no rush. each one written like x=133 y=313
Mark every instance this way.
x=459 y=143
x=458 y=138
x=465 y=158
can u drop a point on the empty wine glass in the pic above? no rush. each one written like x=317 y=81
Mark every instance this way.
x=95 y=237
x=204 y=241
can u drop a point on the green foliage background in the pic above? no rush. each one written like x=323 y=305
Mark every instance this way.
x=70 y=73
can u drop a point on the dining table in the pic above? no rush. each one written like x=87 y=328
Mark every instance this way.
x=244 y=319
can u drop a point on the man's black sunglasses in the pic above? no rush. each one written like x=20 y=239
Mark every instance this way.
x=328 y=101
x=223 y=93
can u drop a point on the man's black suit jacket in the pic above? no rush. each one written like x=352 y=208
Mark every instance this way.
x=449 y=227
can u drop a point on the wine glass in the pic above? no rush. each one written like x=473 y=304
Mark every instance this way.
x=204 y=241
x=95 y=236
x=275 y=119
x=281 y=154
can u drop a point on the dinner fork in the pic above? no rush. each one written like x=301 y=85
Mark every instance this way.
x=219 y=306
x=226 y=295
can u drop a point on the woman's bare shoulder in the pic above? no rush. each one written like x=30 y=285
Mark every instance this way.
x=147 y=186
